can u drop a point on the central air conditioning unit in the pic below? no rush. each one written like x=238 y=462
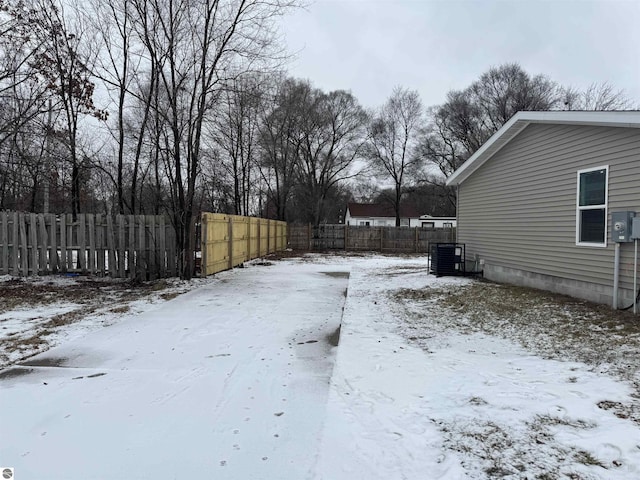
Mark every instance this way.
x=447 y=259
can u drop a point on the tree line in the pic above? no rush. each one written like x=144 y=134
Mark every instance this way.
x=180 y=106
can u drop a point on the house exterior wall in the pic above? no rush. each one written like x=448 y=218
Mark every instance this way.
x=517 y=212
x=375 y=221
x=438 y=222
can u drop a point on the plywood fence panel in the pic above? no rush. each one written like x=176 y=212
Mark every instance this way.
x=264 y=237
x=230 y=240
x=239 y=240
x=215 y=243
x=254 y=237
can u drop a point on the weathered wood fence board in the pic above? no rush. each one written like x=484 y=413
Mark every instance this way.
x=229 y=240
x=125 y=246
x=380 y=239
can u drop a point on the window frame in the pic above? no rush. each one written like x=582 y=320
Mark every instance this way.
x=604 y=206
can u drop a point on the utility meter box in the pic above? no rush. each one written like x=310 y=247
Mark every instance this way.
x=621 y=226
x=635 y=228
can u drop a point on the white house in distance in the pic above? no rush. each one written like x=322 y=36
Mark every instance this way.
x=427 y=221
x=538 y=203
x=383 y=215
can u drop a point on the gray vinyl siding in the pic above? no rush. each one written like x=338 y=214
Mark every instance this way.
x=518 y=210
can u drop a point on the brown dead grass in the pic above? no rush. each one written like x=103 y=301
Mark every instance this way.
x=550 y=325
x=90 y=296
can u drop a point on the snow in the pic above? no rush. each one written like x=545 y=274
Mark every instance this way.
x=239 y=379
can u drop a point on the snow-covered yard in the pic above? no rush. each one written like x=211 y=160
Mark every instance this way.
x=241 y=378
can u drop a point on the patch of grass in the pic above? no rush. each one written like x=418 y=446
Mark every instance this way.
x=587 y=458
x=550 y=325
x=121 y=309
x=169 y=295
x=620 y=410
x=551 y=421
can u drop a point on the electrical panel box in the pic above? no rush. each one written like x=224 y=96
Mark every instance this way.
x=635 y=228
x=621 y=226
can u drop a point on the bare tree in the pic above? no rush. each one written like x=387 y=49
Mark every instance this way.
x=597 y=96
x=65 y=65
x=117 y=66
x=392 y=140
x=280 y=144
x=194 y=46
x=236 y=132
x=503 y=91
x=332 y=136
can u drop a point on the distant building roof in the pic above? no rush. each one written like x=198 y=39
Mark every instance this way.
x=381 y=210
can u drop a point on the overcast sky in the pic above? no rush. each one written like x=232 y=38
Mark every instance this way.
x=370 y=46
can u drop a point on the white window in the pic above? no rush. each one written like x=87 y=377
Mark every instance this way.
x=447 y=225
x=591 y=207
x=428 y=224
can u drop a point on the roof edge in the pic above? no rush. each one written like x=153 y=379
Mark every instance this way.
x=629 y=119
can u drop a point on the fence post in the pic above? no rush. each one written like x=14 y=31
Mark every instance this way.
x=63 y=243
x=152 y=247
x=162 y=246
x=99 y=245
x=4 y=238
x=248 y=254
x=381 y=239
x=24 y=257
x=111 y=248
x=33 y=241
x=308 y=237
x=203 y=245
x=121 y=266
x=416 y=241
x=91 y=248
x=82 y=230
x=143 y=247
x=346 y=235
x=44 y=243
x=230 y=240
x=53 y=259
x=14 y=242
x=268 y=237
x=259 y=254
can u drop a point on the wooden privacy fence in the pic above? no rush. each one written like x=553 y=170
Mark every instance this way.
x=229 y=240
x=140 y=246
x=380 y=239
